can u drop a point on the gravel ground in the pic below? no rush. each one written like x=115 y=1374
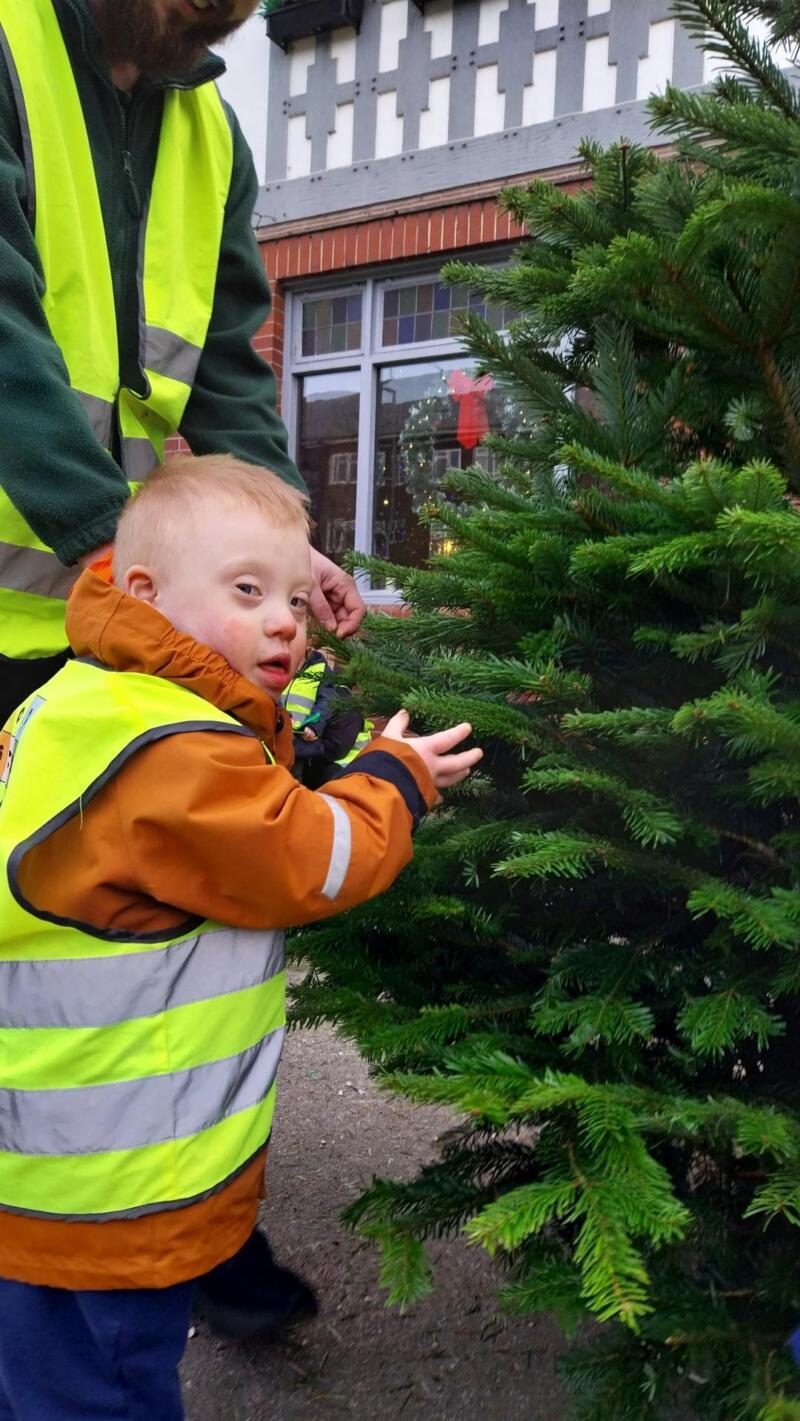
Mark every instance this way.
x=452 y=1358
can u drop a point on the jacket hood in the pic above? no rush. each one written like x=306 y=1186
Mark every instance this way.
x=126 y=634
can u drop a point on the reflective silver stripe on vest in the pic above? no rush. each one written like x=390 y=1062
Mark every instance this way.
x=103 y=991
x=300 y=701
x=129 y=1115
x=341 y=849
x=24 y=127
x=170 y=355
x=101 y=416
x=363 y=740
x=34 y=570
x=139 y=459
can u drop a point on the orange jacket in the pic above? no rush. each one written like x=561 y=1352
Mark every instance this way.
x=198 y=823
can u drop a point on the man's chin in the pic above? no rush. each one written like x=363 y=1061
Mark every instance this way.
x=183 y=49
x=134 y=33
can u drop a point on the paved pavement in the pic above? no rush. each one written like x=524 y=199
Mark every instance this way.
x=452 y=1358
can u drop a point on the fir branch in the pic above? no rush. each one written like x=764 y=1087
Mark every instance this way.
x=719 y=30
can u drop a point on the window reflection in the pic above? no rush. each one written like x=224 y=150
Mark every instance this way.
x=432 y=416
x=327 y=456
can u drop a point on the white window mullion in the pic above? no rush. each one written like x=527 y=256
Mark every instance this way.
x=366 y=434
x=288 y=410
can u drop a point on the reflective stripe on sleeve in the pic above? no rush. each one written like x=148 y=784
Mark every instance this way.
x=170 y=355
x=101 y=416
x=341 y=848
x=34 y=570
x=107 y=990
x=129 y=1115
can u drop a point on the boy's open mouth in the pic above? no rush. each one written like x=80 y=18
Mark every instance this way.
x=279 y=662
x=276 y=670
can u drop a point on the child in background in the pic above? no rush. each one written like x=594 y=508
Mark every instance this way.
x=329 y=729
x=154 y=845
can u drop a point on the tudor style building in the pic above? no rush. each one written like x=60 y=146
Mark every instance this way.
x=383 y=131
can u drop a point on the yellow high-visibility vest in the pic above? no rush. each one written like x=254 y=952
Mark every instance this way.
x=300 y=699
x=137 y=1072
x=179 y=256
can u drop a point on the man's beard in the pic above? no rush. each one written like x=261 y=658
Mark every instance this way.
x=134 y=32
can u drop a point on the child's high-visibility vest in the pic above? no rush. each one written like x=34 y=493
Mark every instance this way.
x=137 y=1071
x=300 y=700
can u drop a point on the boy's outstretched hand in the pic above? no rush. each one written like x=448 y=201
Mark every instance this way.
x=446 y=769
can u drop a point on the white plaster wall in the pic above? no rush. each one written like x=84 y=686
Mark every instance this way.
x=539 y=97
x=340 y=142
x=655 y=72
x=343 y=51
x=599 y=77
x=489 y=20
x=546 y=14
x=301 y=57
x=298 y=148
x=394 y=27
x=434 y=121
x=490 y=104
x=245 y=85
x=439 y=24
x=389 y=126
x=249 y=55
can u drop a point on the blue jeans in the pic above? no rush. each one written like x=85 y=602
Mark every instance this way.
x=92 y=1356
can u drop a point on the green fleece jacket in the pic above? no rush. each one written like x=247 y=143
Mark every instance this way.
x=66 y=486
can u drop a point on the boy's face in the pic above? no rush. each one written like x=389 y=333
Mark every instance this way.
x=241 y=586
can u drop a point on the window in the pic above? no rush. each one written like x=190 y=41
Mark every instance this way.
x=327 y=455
x=332 y=325
x=429 y=310
x=343 y=467
x=375 y=437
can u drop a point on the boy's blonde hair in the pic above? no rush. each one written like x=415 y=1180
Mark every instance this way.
x=165 y=502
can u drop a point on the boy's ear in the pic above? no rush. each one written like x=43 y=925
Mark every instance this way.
x=140 y=582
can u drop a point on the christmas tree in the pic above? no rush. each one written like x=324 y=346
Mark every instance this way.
x=595 y=957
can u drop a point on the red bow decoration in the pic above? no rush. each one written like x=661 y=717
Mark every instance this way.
x=473 y=420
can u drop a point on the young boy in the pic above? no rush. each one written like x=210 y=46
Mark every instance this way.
x=153 y=845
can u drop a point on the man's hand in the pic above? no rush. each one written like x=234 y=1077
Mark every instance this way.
x=336 y=602
x=446 y=769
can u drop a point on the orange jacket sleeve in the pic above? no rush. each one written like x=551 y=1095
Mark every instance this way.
x=210 y=828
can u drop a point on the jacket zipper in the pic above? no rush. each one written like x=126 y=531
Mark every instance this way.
x=132 y=198
x=131 y=220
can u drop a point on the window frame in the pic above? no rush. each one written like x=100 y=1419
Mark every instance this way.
x=368 y=360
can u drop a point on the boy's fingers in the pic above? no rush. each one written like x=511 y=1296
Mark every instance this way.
x=452 y=768
x=398 y=724
x=463 y=763
x=467 y=758
x=447 y=780
x=444 y=740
